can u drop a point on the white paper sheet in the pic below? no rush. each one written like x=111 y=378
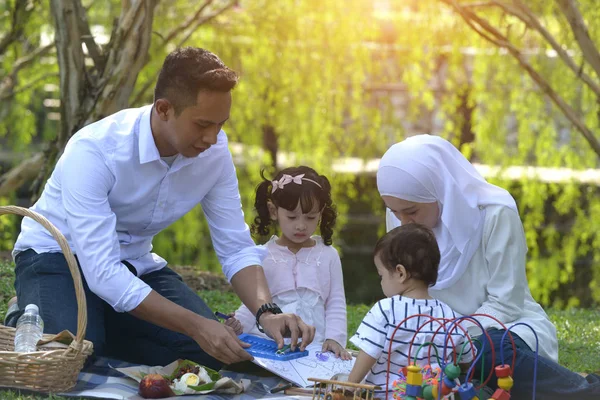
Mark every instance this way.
x=315 y=365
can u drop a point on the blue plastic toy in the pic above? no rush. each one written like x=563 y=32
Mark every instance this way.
x=265 y=348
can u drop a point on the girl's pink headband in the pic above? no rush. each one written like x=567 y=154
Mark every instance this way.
x=285 y=179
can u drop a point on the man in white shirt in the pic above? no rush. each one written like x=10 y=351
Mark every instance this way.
x=119 y=182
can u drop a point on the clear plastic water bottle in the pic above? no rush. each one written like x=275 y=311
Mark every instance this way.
x=30 y=328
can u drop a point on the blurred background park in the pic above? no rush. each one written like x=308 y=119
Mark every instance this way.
x=332 y=84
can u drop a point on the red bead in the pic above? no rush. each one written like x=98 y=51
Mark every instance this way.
x=501 y=394
x=502 y=371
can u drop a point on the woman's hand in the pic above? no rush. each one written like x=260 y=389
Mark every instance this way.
x=337 y=349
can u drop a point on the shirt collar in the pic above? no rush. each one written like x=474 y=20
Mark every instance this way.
x=147 y=146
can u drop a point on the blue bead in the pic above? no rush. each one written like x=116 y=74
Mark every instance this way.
x=449 y=383
x=413 y=390
x=466 y=391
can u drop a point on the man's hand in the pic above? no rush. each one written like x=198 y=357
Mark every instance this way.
x=337 y=349
x=234 y=324
x=221 y=342
x=214 y=338
x=287 y=325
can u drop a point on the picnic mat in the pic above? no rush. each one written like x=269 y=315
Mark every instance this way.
x=100 y=380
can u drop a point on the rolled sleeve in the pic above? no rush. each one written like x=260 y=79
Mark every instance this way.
x=86 y=182
x=229 y=232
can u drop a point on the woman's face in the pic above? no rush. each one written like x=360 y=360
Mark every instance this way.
x=407 y=212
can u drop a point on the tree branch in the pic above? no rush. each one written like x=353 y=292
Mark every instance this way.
x=20 y=14
x=29 y=85
x=471 y=18
x=88 y=39
x=28 y=59
x=24 y=172
x=525 y=14
x=8 y=82
x=205 y=20
x=190 y=21
x=580 y=31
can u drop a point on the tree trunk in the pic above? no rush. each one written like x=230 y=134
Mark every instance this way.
x=88 y=94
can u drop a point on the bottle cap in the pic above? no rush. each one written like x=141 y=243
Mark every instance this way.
x=33 y=308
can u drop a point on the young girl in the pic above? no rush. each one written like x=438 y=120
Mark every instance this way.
x=303 y=270
x=407 y=260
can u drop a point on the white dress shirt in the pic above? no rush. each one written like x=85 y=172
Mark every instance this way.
x=111 y=193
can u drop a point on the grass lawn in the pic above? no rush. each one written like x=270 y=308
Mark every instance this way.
x=578 y=330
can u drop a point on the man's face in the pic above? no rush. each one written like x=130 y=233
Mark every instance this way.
x=196 y=128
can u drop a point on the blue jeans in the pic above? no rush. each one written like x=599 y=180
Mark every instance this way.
x=553 y=381
x=44 y=279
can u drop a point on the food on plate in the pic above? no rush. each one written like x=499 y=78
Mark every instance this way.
x=188 y=378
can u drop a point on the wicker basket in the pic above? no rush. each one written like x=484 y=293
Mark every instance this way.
x=52 y=370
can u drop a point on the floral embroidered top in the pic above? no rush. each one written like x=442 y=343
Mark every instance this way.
x=309 y=284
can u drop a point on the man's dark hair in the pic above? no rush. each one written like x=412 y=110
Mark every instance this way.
x=415 y=247
x=188 y=70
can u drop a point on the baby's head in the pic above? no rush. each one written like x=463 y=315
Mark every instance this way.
x=299 y=200
x=407 y=257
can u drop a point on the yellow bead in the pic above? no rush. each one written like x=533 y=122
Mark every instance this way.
x=505 y=383
x=414 y=368
x=414 y=376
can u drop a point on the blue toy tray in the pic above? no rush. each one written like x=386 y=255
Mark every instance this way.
x=265 y=348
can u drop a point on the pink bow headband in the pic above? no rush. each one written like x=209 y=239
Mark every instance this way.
x=285 y=179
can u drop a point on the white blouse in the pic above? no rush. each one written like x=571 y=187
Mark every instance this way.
x=309 y=284
x=495 y=283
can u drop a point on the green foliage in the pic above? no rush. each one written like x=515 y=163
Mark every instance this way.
x=341 y=79
x=302 y=74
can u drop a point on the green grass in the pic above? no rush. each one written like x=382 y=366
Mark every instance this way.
x=578 y=330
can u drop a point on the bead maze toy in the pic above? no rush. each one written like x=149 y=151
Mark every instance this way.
x=446 y=384
x=422 y=382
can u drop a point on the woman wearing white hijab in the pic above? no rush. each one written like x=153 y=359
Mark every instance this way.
x=425 y=179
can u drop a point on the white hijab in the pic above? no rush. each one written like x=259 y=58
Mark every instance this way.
x=426 y=169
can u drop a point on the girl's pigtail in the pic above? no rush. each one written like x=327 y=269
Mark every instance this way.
x=262 y=222
x=329 y=214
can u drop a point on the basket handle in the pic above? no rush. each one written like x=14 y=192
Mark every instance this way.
x=73 y=266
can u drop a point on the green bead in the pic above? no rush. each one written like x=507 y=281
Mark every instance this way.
x=427 y=392
x=410 y=398
x=452 y=371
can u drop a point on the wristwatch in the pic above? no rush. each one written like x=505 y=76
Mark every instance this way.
x=268 y=307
